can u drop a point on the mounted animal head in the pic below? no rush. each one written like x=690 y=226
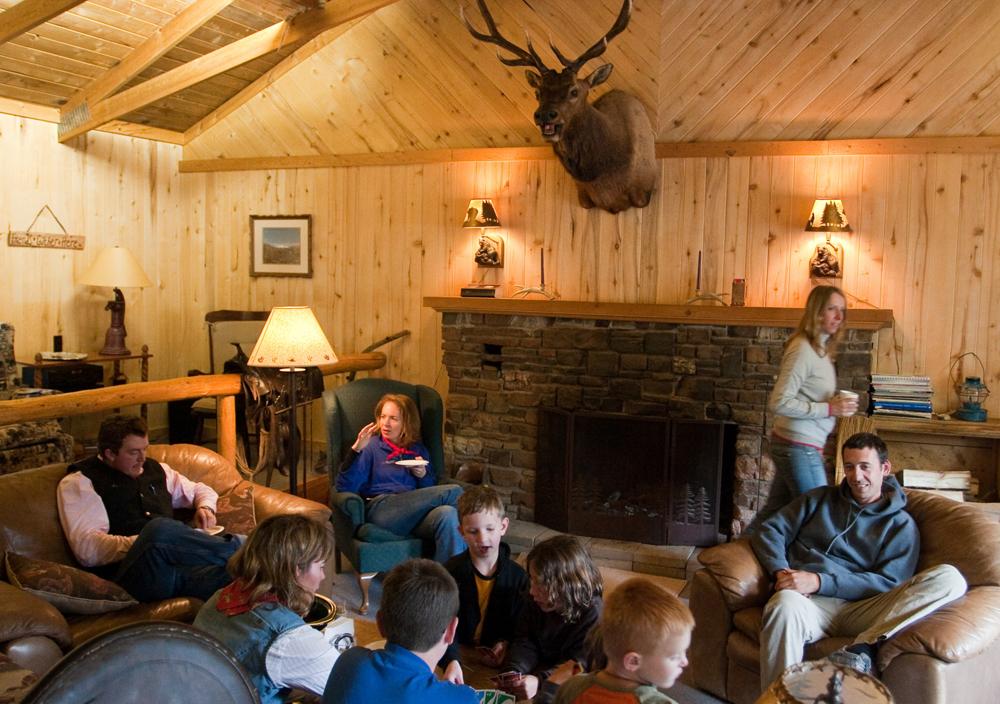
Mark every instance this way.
x=607 y=147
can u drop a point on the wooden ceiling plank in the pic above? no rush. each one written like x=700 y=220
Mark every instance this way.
x=241 y=98
x=161 y=41
x=28 y=14
x=810 y=84
x=300 y=28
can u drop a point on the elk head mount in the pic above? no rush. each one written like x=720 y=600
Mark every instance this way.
x=608 y=146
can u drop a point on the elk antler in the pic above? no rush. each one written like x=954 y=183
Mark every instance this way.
x=602 y=44
x=524 y=57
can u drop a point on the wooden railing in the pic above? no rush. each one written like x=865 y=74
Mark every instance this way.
x=223 y=386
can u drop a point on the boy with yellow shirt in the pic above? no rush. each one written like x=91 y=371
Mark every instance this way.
x=491 y=586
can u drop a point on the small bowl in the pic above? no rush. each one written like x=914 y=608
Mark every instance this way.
x=322 y=612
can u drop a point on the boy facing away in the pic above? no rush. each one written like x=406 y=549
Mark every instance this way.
x=417 y=619
x=491 y=586
x=646 y=632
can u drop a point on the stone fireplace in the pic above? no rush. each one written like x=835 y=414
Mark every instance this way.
x=675 y=363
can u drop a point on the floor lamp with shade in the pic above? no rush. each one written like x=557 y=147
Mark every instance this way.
x=291 y=341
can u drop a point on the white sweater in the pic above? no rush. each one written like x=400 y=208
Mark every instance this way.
x=799 y=400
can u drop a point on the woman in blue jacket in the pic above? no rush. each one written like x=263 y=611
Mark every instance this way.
x=389 y=467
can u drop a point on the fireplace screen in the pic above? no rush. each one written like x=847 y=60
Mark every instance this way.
x=649 y=480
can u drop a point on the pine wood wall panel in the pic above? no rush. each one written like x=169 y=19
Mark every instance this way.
x=115 y=191
x=924 y=244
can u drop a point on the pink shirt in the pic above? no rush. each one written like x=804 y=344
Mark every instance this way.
x=85 y=520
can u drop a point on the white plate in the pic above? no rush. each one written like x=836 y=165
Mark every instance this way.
x=212 y=531
x=64 y=356
x=412 y=463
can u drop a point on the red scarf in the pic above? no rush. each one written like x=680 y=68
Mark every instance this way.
x=235 y=599
x=397 y=451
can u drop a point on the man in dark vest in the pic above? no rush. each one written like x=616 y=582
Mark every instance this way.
x=117 y=510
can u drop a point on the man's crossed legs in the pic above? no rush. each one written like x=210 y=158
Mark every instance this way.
x=791 y=620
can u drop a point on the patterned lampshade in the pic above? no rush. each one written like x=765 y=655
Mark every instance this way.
x=828 y=216
x=292 y=338
x=481 y=213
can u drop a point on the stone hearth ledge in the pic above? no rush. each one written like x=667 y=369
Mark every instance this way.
x=858 y=318
x=677 y=562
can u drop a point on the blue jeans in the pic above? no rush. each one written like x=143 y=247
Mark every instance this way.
x=171 y=559
x=426 y=513
x=798 y=468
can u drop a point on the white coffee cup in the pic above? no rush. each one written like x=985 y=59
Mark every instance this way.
x=849 y=395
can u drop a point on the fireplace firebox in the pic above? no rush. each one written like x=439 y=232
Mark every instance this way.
x=644 y=479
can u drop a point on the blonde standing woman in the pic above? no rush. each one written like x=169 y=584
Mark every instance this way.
x=805 y=401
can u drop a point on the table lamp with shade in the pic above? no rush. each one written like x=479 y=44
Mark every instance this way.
x=116 y=268
x=292 y=340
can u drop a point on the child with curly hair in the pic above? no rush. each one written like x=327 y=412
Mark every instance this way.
x=565 y=604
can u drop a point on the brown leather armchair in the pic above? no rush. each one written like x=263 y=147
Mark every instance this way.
x=34 y=633
x=953 y=655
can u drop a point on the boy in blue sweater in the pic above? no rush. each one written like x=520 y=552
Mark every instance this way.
x=843 y=560
x=417 y=619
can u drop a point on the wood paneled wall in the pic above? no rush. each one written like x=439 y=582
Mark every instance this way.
x=925 y=242
x=114 y=191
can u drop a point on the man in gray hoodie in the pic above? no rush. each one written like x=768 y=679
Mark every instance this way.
x=843 y=560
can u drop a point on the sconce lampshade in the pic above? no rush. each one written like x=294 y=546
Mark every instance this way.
x=481 y=214
x=828 y=216
x=115 y=267
x=291 y=338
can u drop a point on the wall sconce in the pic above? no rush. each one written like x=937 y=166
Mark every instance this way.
x=828 y=260
x=482 y=214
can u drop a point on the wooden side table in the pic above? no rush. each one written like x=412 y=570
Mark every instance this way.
x=39 y=366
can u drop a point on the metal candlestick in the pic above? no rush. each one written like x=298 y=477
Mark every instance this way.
x=701 y=296
x=528 y=290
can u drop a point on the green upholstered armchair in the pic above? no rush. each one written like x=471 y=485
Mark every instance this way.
x=349 y=408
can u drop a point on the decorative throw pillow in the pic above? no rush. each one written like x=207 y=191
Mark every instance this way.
x=71 y=590
x=235 y=509
x=15 y=681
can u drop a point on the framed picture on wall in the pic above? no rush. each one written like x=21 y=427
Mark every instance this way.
x=281 y=245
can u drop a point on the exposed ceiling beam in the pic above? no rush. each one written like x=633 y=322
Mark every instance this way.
x=30 y=13
x=44 y=113
x=244 y=96
x=664 y=150
x=159 y=43
x=298 y=29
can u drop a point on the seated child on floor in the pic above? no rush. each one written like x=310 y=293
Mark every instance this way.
x=417 y=617
x=491 y=586
x=565 y=590
x=277 y=573
x=645 y=632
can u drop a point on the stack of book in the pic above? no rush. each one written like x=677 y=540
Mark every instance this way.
x=953 y=484
x=908 y=396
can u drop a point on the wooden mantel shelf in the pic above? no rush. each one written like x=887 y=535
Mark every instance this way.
x=860 y=318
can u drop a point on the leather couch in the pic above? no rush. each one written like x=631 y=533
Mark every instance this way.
x=33 y=633
x=953 y=655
